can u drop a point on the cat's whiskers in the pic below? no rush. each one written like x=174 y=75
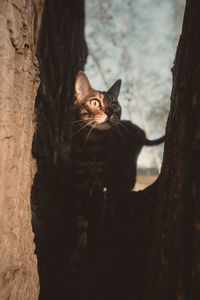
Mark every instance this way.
x=83 y=127
x=82 y=120
x=78 y=121
x=101 y=119
x=87 y=136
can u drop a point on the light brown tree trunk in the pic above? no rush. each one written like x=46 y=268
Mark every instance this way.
x=18 y=85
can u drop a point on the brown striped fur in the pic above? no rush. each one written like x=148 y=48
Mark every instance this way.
x=104 y=156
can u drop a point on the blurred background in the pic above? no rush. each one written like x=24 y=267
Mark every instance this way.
x=136 y=40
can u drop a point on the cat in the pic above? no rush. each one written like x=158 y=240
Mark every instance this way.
x=104 y=154
x=98 y=131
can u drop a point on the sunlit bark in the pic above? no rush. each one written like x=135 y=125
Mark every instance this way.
x=18 y=86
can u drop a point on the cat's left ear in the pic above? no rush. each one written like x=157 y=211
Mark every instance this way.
x=82 y=86
x=115 y=88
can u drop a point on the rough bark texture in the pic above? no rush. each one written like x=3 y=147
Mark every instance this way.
x=174 y=271
x=18 y=85
x=115 y=267
x=150 y=248
x=61 y=53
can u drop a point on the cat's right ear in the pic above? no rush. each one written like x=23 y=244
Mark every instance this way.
x=115 y=88
x=82 y=86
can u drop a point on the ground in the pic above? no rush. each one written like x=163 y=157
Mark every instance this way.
x=143 y=181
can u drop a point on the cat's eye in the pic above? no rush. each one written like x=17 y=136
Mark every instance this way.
x=95 y=103
x=115 y=107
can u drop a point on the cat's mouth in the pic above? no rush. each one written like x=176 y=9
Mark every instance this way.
x=103 y=126
x=107 y=123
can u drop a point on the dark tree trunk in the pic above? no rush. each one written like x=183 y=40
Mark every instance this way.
x=61 y=53
x=174 y=271
x=151 y=248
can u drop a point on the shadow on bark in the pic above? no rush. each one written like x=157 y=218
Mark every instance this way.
x=150 y=247
x=116 y=268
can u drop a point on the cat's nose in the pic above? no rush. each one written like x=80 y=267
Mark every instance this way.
x=108 y=112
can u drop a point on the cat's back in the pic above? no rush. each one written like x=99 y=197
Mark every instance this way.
x=128 y=136
x=125 y=144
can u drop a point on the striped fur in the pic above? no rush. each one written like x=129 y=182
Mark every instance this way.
x=104 y=157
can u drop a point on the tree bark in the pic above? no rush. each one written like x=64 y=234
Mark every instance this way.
x=153 y=250
x=18 y=86
x=62 y=53
x=174 y=270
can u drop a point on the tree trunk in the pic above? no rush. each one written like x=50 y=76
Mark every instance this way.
x=62 y=53
x=19 y=83
x=153 y=250
x=174 y=271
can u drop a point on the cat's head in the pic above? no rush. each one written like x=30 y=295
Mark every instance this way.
x=101 y=110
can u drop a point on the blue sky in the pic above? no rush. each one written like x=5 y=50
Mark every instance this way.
x=135 y=41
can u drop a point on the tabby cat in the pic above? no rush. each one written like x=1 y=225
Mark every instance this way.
x=104 y=155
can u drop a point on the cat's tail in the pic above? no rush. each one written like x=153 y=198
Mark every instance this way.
x=154 y=142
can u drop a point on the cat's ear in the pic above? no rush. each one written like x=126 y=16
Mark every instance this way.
x=115 y=88
x=82 y=86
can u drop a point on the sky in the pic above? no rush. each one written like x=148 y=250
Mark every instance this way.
x=135 y=41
